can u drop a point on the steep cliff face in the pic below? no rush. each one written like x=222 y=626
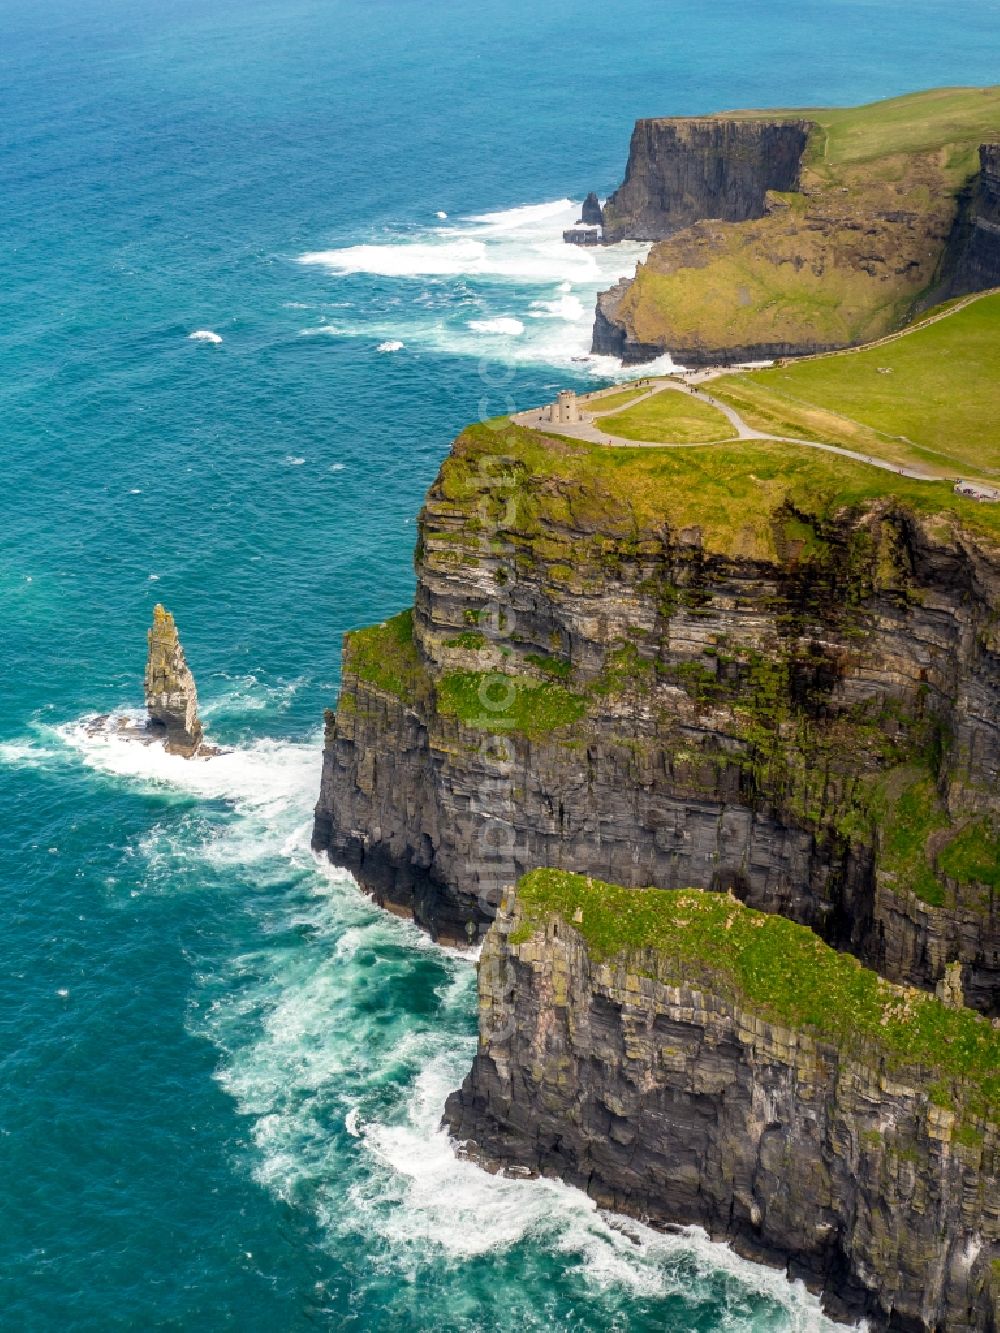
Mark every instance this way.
x=654 y=709
x=681 y=170
x=977 y=263
x=678 y=1083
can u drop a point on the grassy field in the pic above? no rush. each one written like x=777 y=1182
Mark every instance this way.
x=926 y=121
x=670 y=417
x=612 y=402
x=929 y=399
x=730 y=492
x=780 y=970
x=954 y=120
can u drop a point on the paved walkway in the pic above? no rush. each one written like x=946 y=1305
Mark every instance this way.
x=589 y=429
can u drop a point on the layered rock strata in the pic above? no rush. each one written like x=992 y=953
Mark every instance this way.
x=683 y=170
x=661 y=1084
x=770 y=722
x=171 y=696
x=977 y=262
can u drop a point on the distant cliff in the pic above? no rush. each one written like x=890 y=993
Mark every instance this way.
x=681 y=171
x=687 y=1061
x=977 y=257
x=795 y=232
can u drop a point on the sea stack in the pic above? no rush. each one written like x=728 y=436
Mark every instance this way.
x=592 y=214
x=171 y=697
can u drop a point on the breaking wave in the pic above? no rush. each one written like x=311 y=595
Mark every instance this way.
x=471 y=286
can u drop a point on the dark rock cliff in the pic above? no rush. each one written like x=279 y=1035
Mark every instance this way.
x=670 y=1098
x=754 y=725
x=592 y=215
x=977 y=243
x=682 y=170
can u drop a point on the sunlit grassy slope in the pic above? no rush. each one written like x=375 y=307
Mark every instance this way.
x=930 y=398
x=669 y=417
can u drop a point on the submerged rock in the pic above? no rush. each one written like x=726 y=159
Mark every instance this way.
x=171 y=697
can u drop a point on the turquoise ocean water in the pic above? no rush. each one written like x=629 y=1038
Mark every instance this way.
x=221 y=1069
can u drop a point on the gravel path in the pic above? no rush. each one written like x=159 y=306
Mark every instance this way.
x=590 y=429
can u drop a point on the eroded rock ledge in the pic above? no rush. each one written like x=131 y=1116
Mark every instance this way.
x=686 y=1061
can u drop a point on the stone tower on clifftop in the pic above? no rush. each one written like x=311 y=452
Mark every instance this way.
x=171 y=697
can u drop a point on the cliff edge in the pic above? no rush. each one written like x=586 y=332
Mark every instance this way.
x=760 y=668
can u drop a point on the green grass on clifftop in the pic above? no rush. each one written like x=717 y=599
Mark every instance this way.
x=929 y=398
x=611 y=402
x=947 y=120
x=386 y=656
x=731 y=492
x=671 y=417
x=952 y=121
x=491 y=701
x=779 y=970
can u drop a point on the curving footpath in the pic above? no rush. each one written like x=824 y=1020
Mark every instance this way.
x=536 y=419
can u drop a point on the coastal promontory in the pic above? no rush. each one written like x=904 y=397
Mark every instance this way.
x=784 y=232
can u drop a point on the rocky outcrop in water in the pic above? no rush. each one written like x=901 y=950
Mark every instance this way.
x=592 y=215
x=171 y=697
x=683 y=170
x=665 y=1090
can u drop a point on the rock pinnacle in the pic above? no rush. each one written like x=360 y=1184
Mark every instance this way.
x=171 y=697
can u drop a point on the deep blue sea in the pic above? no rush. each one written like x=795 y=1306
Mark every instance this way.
x=221 y=1069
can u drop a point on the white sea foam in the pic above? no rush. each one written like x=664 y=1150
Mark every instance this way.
x=505 y=324
x=205 y=336
x=316 y=1069
x=516 y=245
x=567 y=307
x=267 y=776
x=470 y=266
x=344 y=1087
x=24 y=754
x=294 y=461
x=390 y=345
x=440 y=214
